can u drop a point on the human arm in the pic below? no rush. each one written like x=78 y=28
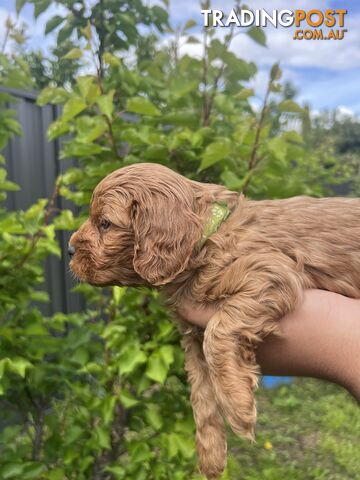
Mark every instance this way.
x=321 y=339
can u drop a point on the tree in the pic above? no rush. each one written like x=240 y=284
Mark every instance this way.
x=53 y=69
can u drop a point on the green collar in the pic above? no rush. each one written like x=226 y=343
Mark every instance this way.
x=218 y=214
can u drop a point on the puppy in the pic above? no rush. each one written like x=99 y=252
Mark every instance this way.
x=203 y=243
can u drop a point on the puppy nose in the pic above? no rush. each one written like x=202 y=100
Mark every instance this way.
x=71 y=250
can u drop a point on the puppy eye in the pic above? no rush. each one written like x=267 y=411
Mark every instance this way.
x=105 y=225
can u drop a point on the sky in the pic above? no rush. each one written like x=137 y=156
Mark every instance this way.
x=326 y=73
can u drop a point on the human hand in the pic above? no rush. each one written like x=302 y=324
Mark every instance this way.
x=321 y=339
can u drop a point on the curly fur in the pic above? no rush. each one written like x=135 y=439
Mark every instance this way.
x=254 y=269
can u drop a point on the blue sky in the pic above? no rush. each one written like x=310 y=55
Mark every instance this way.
x=327 y=74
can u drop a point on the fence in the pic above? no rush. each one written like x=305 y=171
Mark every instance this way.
x=33 y=163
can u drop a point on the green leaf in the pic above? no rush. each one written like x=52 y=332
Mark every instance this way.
x=32 y=470
x=90 y=128
x=258 y=35
x=73 y=107
x=103 y=437
x=190 y=24
x=290 y=106
x=40 y=7
x=6 y=97
x=52 y=95
x=36 y=211
x=192 y=39
x=167 y=354
x=56 y=129
x=87 y=32
x=157 y=369
x=16 y=365
x=127 y=399
x=217 y=49
x=181 y=87
x=19 y=366
x=153 y=416
x=74 y=433
x=64 y=221
x=139 y=452
x=275 y=87
x=85 y=83
x=11 y=470
x=39 y=296
x=237 y=68
x=245 y=93
x=64 y=33
x=185 y=118
x=9 y=186
x=111 y=59
x=113 y=329
x=93 y=94
x=278 y=147
x=19 y=5
x=142 y=106
x=214 y=153
x=53 y=23
x=156 y=153
x=108 y=409
x=80 y=356
x=73 y=54
x=294 y=137
x=224 y=104
x=78 y=149
x=275 y=72
x=118 y=471
x=56 y=474
x=130 y=358
x=106 y=103
x=173 y=444
x=231 y=180
x=118 y=293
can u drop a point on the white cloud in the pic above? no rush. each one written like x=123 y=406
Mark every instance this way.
x=326 y=72
x=345 y=112
x=331 y=54
x=35 y=30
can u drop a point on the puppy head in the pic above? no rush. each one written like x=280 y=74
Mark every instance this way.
x=142 y=228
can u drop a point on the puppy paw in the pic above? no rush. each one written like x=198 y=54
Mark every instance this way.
x=212 y=467
x=243 y=425
x=212 y=453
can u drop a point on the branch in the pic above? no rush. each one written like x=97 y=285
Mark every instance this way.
x=254 y=160
x=112 y=137
x=39 y=417
x=175 y=47
x=6 y=36
x=101 y=34
x=205 y=78
x=209 y=101
x=121 y=420
x=99 y=66
x=39 y=431
x=50 y=208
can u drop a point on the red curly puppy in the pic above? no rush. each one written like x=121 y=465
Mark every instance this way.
x=205 y=244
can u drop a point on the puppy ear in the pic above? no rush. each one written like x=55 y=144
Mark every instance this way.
x=166 y=230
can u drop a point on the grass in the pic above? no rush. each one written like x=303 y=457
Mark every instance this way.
x=306 y=430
